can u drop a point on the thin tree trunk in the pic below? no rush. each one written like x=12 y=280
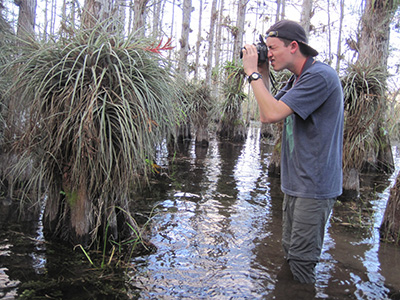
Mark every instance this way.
x=139 y=16
x=283 y=10
x=278 y=9
x=198 y=42
x=232 y=125
x=63 y=31
x=172 y=26
x=329 y=33
x=211 y=45
x=130 y=16
x=53 y=16
x=45 y=20
x=218 y=46
x=26 y=18
x=238 y=32
x=339 y=45
x=305 y=19
x=157 y=19
x=118 y=13
x=184 y=40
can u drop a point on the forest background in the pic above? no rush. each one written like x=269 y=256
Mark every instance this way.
x=334 y=26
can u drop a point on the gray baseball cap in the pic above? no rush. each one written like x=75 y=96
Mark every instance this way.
x=291 y=30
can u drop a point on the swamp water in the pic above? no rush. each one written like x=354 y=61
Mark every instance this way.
x=217 y=225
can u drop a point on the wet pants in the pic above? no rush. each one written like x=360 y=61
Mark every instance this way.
x=303 y=233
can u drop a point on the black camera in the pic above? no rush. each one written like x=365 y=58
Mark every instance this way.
x=262 y=51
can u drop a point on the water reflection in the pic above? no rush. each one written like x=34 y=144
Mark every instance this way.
x=225 y=243
x=218 y=232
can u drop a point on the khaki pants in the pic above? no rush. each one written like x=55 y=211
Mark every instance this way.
x=303 y=233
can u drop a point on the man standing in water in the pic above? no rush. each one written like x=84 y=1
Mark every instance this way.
x=311 y=105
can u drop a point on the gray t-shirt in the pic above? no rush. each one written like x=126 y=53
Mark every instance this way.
x=312 y=140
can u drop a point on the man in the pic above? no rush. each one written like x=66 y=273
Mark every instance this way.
x=311 y=156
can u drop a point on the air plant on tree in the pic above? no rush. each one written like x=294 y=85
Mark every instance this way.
x=232 y=124
x=98 y=105
x=364 y=92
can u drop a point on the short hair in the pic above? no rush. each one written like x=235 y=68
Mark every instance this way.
x=303 y=48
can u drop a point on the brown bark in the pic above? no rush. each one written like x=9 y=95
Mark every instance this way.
x=139 y=8
x=80 y=213
x=373 y=49
x=390 y=228
x=26 y=18
x=375 y=32
x=239 y=29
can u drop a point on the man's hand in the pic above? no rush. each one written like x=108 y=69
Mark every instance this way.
x=250 y=59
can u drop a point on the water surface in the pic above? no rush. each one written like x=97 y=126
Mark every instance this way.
x=216 y=221
x=218 y=233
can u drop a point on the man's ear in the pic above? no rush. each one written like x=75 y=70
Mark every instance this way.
x=294 y=46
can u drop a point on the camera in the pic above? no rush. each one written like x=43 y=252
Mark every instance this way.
x=262 y=51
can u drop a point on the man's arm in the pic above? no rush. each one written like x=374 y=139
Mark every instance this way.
x=271 y=110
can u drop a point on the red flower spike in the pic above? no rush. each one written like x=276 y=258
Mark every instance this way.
x=160 y=47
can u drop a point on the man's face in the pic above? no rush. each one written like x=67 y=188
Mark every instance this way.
x=278 y=53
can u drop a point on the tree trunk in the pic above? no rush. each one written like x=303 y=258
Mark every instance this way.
x=202 y=135
x=278 y=10
x=390 y=228
x=45 y=21
x=198 y=43
x=218 y=46
x=339 y=45
x=139 y=16
x=305 y=19
x=157 y=19
x=329 y=32
x=53 y=17
x=283 y=9
x=375 y=32
x=211 y=38
x=26 y=19
x=274 y=167
x=184 y=40
x=373 y=53
x=91 y=13
x=238 y=31
x=172 y=26
x=232 y=126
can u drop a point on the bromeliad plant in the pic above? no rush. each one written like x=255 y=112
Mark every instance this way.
x=231 y=123
x=364 y=100
x=97 y=105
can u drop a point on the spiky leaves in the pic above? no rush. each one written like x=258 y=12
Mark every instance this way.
x=364 y=94
x=232 y=125
x=98 y=106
